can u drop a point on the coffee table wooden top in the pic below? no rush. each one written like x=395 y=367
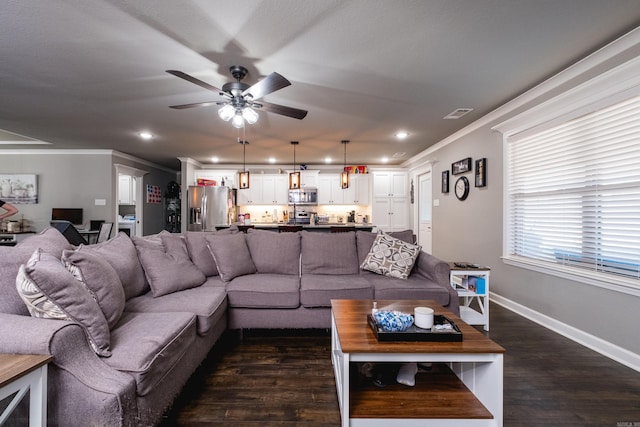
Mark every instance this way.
x=357 y=337
x=14 y=366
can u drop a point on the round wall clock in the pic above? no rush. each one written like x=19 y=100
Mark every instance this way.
x=462 y=188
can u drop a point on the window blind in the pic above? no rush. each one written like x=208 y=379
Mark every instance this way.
x=574 y=192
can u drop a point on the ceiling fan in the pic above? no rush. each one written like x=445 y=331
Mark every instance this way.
x=240 y=99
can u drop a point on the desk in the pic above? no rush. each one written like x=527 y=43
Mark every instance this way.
x=21 y=373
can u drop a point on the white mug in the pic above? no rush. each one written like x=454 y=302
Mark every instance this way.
x=423 y=317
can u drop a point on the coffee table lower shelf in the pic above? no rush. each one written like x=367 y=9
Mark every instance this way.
x=438 y=394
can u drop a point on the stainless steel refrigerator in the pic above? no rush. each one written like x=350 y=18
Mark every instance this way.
x=210 y=207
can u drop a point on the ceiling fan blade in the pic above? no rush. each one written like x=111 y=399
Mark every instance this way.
x=193 y=80
x=282 y=110
x=269 y=84
x=196 y=104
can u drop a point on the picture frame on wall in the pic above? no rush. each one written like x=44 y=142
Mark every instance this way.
x=481 y=172
x=19 y=188
x=445 y=181
x=461 y=166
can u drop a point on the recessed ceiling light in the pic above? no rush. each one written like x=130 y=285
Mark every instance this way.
x=272 y=160
x=146 y=135
x=215 y=159
x=457 y=113
x=402 y=134
x=327 y=159
x=384 y=160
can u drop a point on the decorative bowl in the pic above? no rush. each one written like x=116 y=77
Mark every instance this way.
x=393 y=321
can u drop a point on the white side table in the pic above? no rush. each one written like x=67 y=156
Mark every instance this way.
x=459 y=280
x=21 y=373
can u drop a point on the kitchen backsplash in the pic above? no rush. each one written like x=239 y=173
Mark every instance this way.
x=257 y=212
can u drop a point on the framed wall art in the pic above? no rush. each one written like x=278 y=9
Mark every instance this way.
x=445 y=181
x=481 y=172
x=461 y=166
x=19 y=188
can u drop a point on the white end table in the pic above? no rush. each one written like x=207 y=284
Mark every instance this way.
x=21 y=373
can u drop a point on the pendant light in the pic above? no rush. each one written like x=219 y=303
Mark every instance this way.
x=244 y=175
x=344 y=176
x=294 y=177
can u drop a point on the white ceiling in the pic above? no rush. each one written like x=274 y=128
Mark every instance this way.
x=91 y=73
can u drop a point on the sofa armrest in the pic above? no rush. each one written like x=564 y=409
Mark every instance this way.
x=67 y=343
x=433 y=268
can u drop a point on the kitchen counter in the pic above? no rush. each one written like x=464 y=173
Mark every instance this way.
x=309 y=227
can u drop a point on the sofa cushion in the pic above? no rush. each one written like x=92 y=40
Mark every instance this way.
x=232 y=256
x=391 y=257
x=277 y=253
x=167 y=265
x=123 y=257
x=319 y=290
x=329 y=253
x=208 y=303
x=364 y=241
x=12 y=257
x=415 y=287
x=147 y=346
x=50 y=291
x=200 y=253
x=264 y=291
x=101 y=279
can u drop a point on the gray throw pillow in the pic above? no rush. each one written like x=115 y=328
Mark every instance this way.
x=232 y=256
x=200 y=253
x=391 y=257
x=121 y=254
x=277 y=253
x=167 y=265
x=101 y=279
x=50 y=291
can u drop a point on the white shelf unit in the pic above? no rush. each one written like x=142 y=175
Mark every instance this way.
x=459 y=280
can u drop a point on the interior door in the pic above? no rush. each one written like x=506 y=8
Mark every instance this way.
x=425 y=203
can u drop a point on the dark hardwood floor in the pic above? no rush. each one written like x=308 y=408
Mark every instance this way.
x=285 y=378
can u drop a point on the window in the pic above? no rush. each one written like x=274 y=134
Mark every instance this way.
x=573 y=193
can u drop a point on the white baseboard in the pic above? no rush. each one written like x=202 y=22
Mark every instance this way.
x=612 y=351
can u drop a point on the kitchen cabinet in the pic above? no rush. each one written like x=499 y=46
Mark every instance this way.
x=307 y=179
x=329 y=191
x=275 y=189
x=390 y=207
x=358 y=191
x=253 y=194
x=391 y=213
x=267 y=189
x=390 y=184
x=126 y=190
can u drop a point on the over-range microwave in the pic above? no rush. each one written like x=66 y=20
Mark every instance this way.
x=303 y=196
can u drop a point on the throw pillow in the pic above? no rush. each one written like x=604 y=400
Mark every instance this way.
x=231 y=254
x=101 y=279
x=277 y=253
x=50 y=291
x=121 y=254
x=200 y=253
x=167 y=265
x=391 y=257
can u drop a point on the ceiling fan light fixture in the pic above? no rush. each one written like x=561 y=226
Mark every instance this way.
x=237 y=121
x=226 y=112
x=250 y=115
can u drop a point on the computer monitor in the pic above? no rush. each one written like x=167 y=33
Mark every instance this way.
x=73 y=215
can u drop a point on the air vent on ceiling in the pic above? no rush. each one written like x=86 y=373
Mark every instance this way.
x=457 y=113
x=398 y=155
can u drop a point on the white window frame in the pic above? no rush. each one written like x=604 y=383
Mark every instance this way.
x=609 y=88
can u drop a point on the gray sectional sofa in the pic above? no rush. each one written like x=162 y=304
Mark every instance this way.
x=129 y=320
